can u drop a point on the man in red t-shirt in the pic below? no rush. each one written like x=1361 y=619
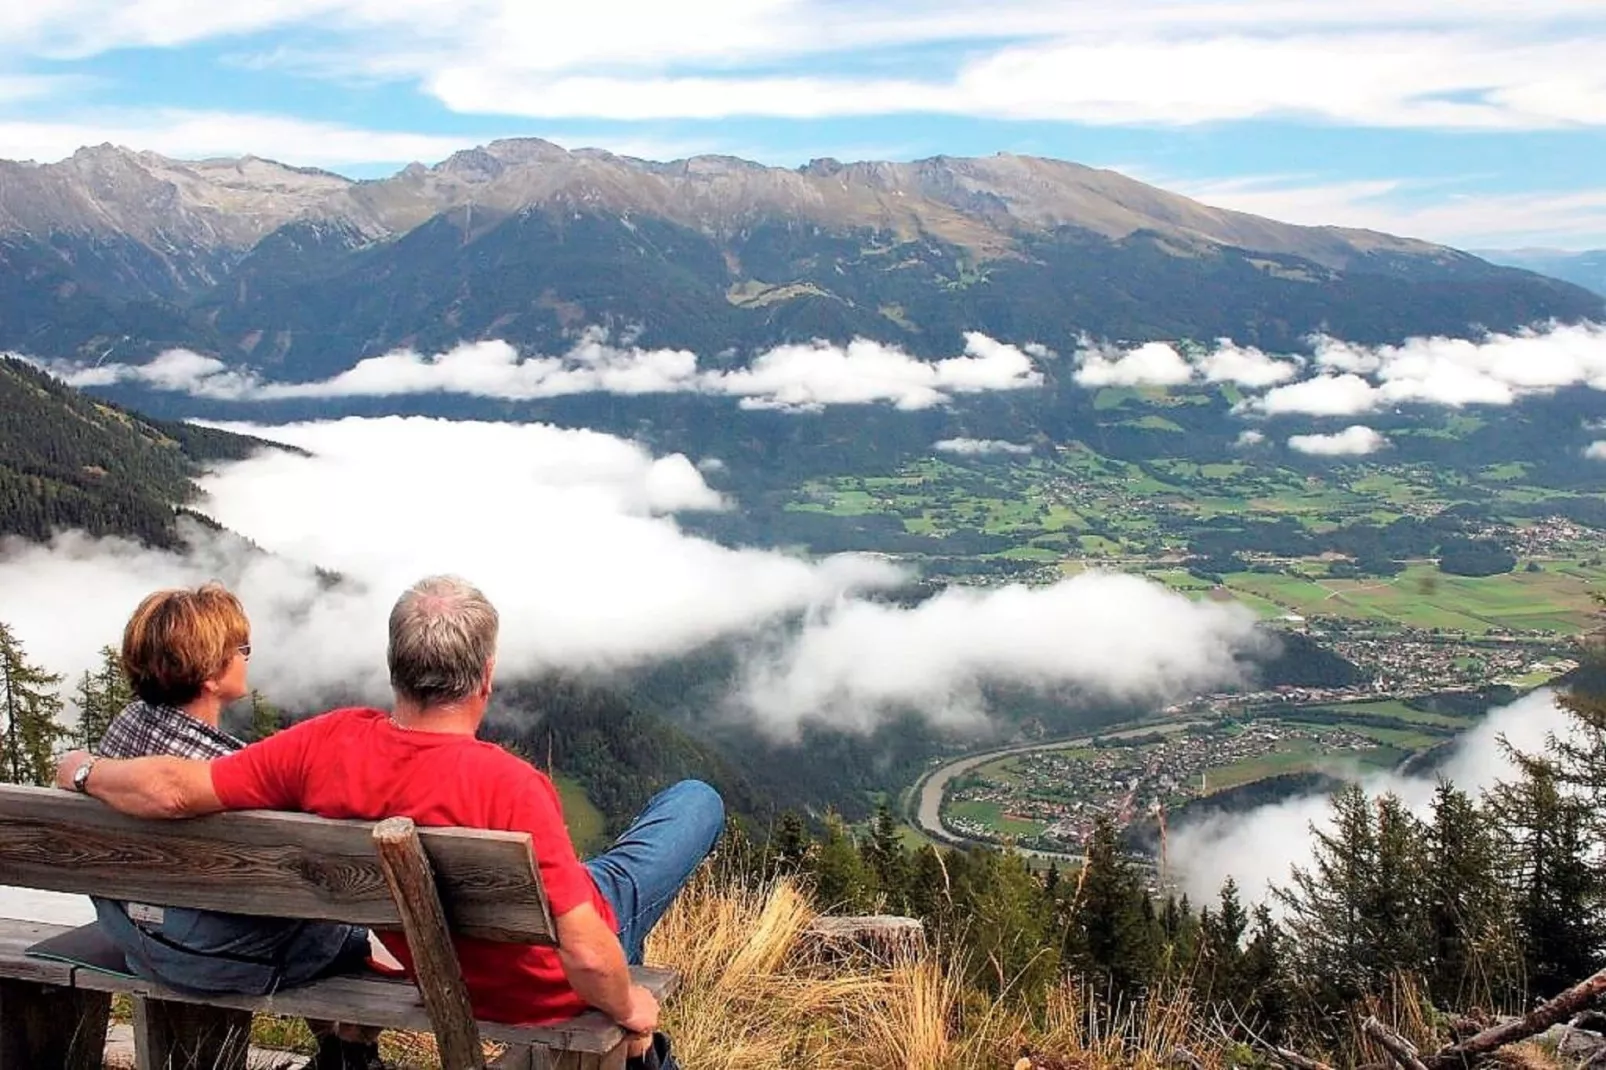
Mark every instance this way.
x=422 y=760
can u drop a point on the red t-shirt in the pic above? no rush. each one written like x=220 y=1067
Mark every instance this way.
x=357 y=763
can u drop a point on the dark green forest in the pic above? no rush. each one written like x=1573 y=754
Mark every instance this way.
x=70 y=461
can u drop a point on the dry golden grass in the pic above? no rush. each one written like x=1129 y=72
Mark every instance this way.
x=760 y=995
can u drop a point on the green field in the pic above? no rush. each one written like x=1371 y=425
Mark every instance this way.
x=1299 y=755
x=1559 y=598
x=587 y=827
x=990 y=815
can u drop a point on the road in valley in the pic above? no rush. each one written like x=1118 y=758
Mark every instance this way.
x=928 y=812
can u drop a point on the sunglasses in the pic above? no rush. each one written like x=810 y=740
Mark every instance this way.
x=244 y=649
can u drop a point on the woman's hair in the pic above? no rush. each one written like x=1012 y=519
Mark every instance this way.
x=179 y=639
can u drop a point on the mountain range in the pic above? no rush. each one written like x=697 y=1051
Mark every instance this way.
x=1586 y=269
x=299 y=273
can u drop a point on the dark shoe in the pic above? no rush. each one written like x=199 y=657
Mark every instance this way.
x=657 y=1057
x=337 y=1054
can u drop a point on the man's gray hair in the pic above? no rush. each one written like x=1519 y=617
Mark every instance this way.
x=442 y=636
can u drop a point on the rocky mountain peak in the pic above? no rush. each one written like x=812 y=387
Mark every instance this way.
x=988 y=205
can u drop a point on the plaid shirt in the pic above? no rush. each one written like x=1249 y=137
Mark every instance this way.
x=145 y=728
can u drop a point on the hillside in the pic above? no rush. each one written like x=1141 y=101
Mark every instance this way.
x=69 y=461
x=301 y=273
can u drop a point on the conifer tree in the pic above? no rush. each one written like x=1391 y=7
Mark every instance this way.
x=839 y=876
x=1577 y=756
x=1327 y=904
x=1221 y=952
x=1554 y=886
x=1471 y=960
x=1265 y=1001
x=1396 y=910
x=102 y=694
x=884 y=859
x=266 y=718
x=1003 y=921
x=928 y=891
x=790 y=844
x=31 y=707
x=1108 y=938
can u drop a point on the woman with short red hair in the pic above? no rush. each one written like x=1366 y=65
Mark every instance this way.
x=185 y=653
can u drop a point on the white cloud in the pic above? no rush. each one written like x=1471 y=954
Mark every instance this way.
x=565 y=529
x=1414 y=64
x=1250 y=438
x=1153 y=363
x=1257 y=849
x=1596 y=451
x=192 y=134
x=1247 y=366
x=793 y=378
x=1162 y=364
x=978 y=447
x=1494 y=370
x=1108 y=634
x=1324 y=395
x=1356 y=440
x=809 y=377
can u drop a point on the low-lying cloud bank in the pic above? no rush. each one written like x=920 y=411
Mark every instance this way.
x=571 y=534
x=1357 y=440
x=789 y=378
x=1346 y=379
x=1341 y=379
x=1497 y=370
x=1101 y=632
x=1257 y=848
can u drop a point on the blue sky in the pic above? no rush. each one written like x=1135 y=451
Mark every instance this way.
x=1477 y=122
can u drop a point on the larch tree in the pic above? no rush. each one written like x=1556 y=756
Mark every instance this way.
x=32 y=709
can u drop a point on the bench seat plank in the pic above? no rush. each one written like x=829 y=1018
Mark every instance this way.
x=17 y=937
x=391 y=1004
x=266 y=863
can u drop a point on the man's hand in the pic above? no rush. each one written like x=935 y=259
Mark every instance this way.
x=68 y=766
x=643 y=1016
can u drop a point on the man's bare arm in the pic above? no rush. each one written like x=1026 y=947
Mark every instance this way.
x=595 y=966
x=157 y=786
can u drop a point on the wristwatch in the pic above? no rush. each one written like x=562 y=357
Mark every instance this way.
x=80 y=776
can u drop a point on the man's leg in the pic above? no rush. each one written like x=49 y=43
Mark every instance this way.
x=645 y=868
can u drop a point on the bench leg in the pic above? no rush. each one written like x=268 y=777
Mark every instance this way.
x=48 y=1027
x=188 y=1036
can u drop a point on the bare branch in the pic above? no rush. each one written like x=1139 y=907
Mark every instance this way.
x=1402 y=1050
x=1535 y=1021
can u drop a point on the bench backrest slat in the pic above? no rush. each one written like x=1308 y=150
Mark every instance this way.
x=271 y=864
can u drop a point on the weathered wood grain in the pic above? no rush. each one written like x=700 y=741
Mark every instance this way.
x=271 y=864
x=378 y=1001
x=46 y=1027
x=435 y=966
x=189 y=1036
x=17 y=937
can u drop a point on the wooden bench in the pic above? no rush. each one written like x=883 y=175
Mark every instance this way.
x=425 y=882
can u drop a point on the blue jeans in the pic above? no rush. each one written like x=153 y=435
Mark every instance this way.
x=643 y=871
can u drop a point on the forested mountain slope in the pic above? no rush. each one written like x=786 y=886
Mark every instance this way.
x=69 y=461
